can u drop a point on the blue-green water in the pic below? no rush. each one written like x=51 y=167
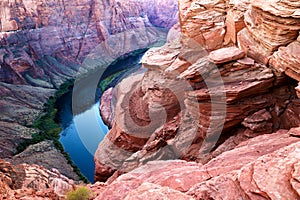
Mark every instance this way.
x=82 y=154
x=83 y=132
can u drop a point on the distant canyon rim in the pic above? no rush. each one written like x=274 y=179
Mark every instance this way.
x=215 y=115
x=44 y=44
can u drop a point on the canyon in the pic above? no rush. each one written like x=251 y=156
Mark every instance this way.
x=215 y=115
x=229 y=80
x=45 y=43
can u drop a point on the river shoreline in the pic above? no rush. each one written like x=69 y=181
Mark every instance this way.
x=50 y=115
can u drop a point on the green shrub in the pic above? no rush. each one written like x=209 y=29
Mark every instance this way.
x=103 y=84
x=81 y=193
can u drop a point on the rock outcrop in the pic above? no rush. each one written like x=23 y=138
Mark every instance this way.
x=227 y=176
x=204 y=22
x=221 y=98
x=45 y=43
x=269 y=25
x=45 y=154
x=106 y=107
x=264 y=167
x=32 y=182
x=286 y=60
x=174 y=115
x=210 y=90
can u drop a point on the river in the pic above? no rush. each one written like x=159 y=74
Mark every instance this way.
x=89 y=124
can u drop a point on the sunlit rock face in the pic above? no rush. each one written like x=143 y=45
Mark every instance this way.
x=256 y=169
x=167 y=112
x=249 y=46
x=45 y=43
x=185 y=113
x=32 y=182
x=269 y=25
x=62 y=33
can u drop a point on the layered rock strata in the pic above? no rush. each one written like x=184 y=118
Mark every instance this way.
x=184 y=101
x=37 y=51
x=32 y=182
x=265 y=167
x=269 y=25
x=43 y=44
x=188 y=99
x=204 y=22
x=203 y=87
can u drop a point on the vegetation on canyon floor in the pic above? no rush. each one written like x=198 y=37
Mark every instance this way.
x=107 y=81
x=49 y=128
x=81 y=193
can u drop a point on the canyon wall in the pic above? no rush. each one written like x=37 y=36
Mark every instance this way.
x=222 y=98
x=48 y=40
x=230 y=80
x=45 y=43
x=264 y=167
x=32 y=182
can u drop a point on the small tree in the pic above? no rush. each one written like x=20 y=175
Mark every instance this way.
x=80 y=193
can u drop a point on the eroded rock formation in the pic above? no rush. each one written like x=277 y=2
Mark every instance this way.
x=209 y=92
x=45 y=43
x=32 y=182
x=221 y=98
x=264 y=167
x=249 y=87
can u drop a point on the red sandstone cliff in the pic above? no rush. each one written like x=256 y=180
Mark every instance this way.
x=174 y=111
x=219 y=87
x=64 y=32
x=44 y=43
x=264 y=167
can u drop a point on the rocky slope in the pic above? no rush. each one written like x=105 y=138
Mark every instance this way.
x=32 y=182
x=215 y=116
x=44 y=43
x=265 y=167
x=206 y=96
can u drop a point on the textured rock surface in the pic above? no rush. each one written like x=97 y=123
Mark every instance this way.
x=264 y=167
x=240 y=97
x=32 y=182
x=162 y=13
x=174 y=33
x=45 y=43
x=153 y=192
x=204 y=22
x=239 y=173
x=172 y=118
x=106 y=107
x=287 y=60
x=224 y=55
x=45 y=154
x=268 y=177
x=173 y=110
x=269 y=25
x=19 y=106
x=235 y=20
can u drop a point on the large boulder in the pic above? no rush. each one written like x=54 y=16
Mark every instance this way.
x=265 y=167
